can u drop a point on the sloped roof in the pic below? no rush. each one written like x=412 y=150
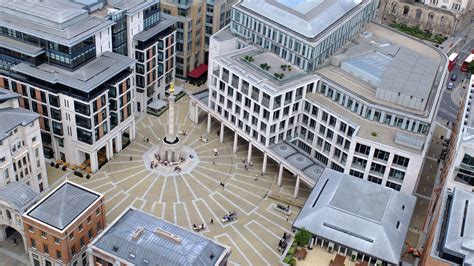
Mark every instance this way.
x=6 y=95
x=19 y=195
x=153 y=249
x=59 y=208
x=358 y=214
x=11 y=118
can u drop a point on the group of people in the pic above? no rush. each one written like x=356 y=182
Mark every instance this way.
x=146 y=140
x=201 y=138
x=157 y=162
x=283 y=243
x=247 y=166
x=230 y=217
x=198 y=228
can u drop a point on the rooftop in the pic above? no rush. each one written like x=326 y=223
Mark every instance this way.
x=252 y=71
x=130 y=6
x=6 y=95
x=63 y=22
x=10 y=118
x=305 y=18
x=468 y=117
x=135 y=236
x=298 y=159
x=367 y=217
x=165 y=22
x=63 y=205
x=85 y=78
x=460 y=226
x=379 y=67
x=19 y=195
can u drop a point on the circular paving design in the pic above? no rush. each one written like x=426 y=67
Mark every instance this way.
x=195 y=195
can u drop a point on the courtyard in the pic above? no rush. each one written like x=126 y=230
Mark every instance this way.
x=196 y=197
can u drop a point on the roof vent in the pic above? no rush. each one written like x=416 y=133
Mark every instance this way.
x=168 y=235
x=115 y=248
x=137 y=233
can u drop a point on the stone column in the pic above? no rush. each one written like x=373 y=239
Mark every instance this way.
x=208 y=123
x=94 y=161
x=171 y=136
x=221 y=133
x=236 y=141
x=297 y=187
x=280 y=174
x=249 y=153
x=197 y=114
x=264 y=165
x=3 y=233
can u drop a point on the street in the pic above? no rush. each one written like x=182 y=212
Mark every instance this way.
x=449 y=105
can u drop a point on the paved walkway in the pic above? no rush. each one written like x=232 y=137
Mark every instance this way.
x=197 y=197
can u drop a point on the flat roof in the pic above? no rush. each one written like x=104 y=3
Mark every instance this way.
x=460 y=226
x=63 y=205
x=165 y=22
x=383 y=59
x=85 y=78
x=20 y=47
x=468 y=117
x=306 y=18
x=359 y=214
x=63 y=22
x=10 y=118
x=298 y=159
x=158 y=243
x=264 y=79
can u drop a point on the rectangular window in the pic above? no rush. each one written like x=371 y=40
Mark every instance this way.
x=45 y=249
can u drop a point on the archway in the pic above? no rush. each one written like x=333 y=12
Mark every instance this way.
x=12 y=240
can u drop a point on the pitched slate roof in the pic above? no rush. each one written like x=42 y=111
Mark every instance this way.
x=19 y=195
x=358 y=214
x=10 y=118
x=59 y=208
x=151 y=248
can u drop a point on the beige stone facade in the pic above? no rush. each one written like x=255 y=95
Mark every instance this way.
x=198 y=20
x=425 y=17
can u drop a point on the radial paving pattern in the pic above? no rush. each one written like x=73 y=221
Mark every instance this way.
x=196 y=196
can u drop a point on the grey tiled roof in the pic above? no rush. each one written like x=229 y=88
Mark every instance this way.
x=20 y=47
x=358 y=214
x=152 y=249
x=461 y=211
x=85 y=78
x=19 y=195
x=6 y=95
x=165 y=21
x=10 y=118
x=63 y=22
x=63 y=205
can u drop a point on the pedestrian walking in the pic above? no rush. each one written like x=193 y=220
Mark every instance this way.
x=213 y=162
x=243 y=161
x=212 y=221
x=131 y=158
x=14 y=241
x=256 y=177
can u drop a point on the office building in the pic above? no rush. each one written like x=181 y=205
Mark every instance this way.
x=138 y=238
x=60 y=226
x=198 y=20
x=21 y=150
x=372 y=228
x=449 y=223
x=310 y=97
x=142 y=32
x=60 y=60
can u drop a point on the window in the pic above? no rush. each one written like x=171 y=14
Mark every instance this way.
x=45 y=249
x=73 y=250
x=360 y=148
x=356 y=174
x=381 y=155
x=393 y=185
x=58 y=255
x=89 y=234
x=397 y=174
x=43 y=234
x=375 y=180
x=56 y=240
x=401 y=161
x=33 y=243
x=99 y=226
x=71 y=235
x=89 y=219
x=81 y=241
x=31 y=228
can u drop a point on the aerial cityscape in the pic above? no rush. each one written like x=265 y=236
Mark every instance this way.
x=236 y=132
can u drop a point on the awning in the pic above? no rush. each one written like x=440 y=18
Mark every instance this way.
x=198 y=71
x=157 y=104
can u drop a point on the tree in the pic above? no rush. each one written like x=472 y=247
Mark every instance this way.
x=302 y=237
x=470 y=67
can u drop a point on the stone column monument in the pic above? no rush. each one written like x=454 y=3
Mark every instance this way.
x=170 y=148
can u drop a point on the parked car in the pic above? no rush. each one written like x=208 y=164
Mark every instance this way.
x=450 y=86
x=454 y=77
